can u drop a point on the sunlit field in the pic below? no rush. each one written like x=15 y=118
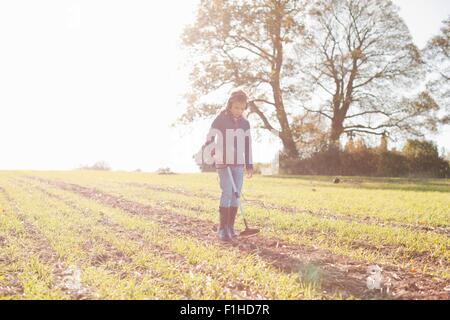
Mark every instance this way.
x=119 y=235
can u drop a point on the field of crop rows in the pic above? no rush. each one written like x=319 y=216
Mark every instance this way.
x=119 y=235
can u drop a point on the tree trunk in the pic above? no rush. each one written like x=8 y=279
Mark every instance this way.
x=337 y=128
x=341 y=106
x=290 y=149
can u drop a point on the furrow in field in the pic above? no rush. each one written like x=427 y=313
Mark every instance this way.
x=13 y=240
x=181 y=244
x=181 y=262
x=382 y=245
x=424 y=248
x=105 y=258
x=419 y=206
x=352 y=272
x=140 y=262
x=43 y=260
x=286 y=258
x=296 y=210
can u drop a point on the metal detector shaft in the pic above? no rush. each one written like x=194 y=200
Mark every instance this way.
x=236 y=193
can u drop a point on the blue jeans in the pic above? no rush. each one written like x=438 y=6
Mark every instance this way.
x=228 y=199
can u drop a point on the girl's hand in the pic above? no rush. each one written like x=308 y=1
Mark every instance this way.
x=249 y=173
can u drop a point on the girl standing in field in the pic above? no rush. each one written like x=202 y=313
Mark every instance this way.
x=232 y=148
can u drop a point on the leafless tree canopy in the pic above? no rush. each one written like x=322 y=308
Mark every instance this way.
x=437 y=54
x=348 y=65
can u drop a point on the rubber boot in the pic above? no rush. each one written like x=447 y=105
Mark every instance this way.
x=231 y=219
x=223 y=226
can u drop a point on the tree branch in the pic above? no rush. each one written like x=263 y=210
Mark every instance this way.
x=267 y=125
x=318 y=111
x=265 y=101
x=264 y=54
x=368 y=112
x=365 y=131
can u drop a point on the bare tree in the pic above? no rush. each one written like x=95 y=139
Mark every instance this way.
x=359 y=61
x=357 y=56
x=437 y=56
x=243 y=43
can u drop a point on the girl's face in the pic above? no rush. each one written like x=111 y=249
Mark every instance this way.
x=237 y=108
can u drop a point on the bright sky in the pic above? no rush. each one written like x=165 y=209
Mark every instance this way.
x=83 y=81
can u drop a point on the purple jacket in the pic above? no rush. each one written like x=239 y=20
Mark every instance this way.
x=226 y=127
